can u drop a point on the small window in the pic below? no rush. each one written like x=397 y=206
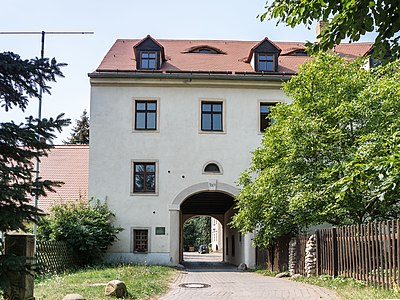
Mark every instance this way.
x=227 y=246
x=266 y=62
x=265 y=121
x=211 y=116
x=212 y=168
x=144 y=177
x=148 y=60
x=140 y=240
x=233 y=245
x=146 y=115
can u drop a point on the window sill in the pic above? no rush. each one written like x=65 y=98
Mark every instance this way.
x=145 y=194
x=211 y=132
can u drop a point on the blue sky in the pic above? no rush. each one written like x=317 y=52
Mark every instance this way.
x=110 y=20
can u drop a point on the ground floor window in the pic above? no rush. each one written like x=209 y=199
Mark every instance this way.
x=140 y=240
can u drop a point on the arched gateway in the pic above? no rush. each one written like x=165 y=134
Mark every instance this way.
x=213 y=199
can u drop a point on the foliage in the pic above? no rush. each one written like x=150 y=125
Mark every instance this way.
x=347 y=19
x=80 y=133
x=88 y=229
x=22 y=144
x=331 y=156
x=142 y=282
x=196 y=232
x=349 y=288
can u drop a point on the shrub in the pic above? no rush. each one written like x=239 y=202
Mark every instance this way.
x=87 y=228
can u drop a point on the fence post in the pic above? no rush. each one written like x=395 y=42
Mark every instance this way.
x=317 y=253
x=21 y=247
x=335 y=252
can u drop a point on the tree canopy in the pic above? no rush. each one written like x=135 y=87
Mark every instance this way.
x=347 y=19
x=332 y=155
x=80 y=133
x=196 y=231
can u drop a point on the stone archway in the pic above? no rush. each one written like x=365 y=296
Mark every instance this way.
x=197 y=200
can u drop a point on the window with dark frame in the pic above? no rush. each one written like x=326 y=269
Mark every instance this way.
x=233 y=245
x=265 y=121
x=212 y=168
x=145 y=115
x=211 y=116
x=148 y=60
x=144 y=177
x=266 y=62
x=140 y=240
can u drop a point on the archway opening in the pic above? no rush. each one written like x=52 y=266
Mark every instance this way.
x=202 y=239
x=217 y=208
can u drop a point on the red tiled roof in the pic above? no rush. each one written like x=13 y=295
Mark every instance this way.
x=69 y=164
x=121 y=56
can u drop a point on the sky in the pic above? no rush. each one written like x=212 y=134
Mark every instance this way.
x=111 y=20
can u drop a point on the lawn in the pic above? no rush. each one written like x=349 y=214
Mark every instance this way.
x=345 y=288
x=143 y=282
x=351 y=289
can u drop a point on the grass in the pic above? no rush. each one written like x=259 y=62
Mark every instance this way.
x=142 y=282
x=351 y=289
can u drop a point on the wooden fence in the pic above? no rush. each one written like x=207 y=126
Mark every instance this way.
x=275 y=258
x=368 y=252
x=55 y=257
x=301 y=241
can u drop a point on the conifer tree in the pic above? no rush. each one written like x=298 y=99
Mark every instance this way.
x=21 y=144
x=80 y=133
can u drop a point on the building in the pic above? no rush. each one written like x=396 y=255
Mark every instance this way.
x=173 y=124
x=68 y=164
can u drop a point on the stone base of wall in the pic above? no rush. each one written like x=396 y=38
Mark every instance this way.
x=145 y=258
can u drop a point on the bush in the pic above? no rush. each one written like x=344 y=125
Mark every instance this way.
x=87 y=228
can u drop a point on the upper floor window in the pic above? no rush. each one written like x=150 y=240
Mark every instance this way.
x=144 y=174
x=212 y=168
x=211 y=116
x=148 y=60
x=265 y=121
x=145 y=115
x=265 y=62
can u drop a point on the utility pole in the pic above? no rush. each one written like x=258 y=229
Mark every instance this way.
x=43 y=34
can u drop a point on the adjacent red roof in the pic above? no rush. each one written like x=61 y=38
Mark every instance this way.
x=121 y=56
x=69 y=164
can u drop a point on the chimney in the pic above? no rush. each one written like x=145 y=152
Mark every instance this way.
x=321 y=26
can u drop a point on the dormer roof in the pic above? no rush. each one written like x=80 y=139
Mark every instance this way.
x=261 y=46
x=149 y=43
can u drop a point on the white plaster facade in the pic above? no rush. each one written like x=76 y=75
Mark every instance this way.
x=179 y=148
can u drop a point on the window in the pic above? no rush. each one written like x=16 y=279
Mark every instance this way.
x=146 y=115
x=233 y=245
x=144 y=177
x=140 y=240
x=212 y=168
x=264 y=112
x=148 y=60
x=266 y=62
x=211 y=116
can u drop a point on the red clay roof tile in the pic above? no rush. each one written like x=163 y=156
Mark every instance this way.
x=121 y=56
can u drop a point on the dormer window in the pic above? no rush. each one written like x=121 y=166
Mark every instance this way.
x=264 y=56
x=266 y=62
x=148 y=60
x=149 y=54
x=204 y=49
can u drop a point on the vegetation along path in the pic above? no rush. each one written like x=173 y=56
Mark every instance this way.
x=216 y=280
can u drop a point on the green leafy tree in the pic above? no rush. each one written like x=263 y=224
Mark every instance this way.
x=331 y=156
x=21 y=144
x=80 y=133
x=197 y=231
x=347 y=19
x=87 y=228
